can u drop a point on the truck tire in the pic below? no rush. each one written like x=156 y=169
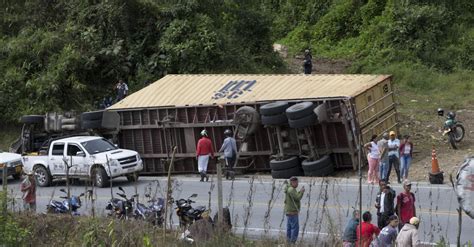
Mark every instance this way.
x=278 y=165
x=248 y=120
x=288 y=173
x=32 y=119
x=92 y=115
x=91 y=124
x=279 y=119
x=317 y=165
x=299 y=110
x=132 y=177
x=274 y=108
x=323 y=172
x=99 y=177
x=42 y=176
x=303 y=122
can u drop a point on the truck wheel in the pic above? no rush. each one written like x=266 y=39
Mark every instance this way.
x=300 y=110
x=288 y=173
x=323 y=172
x=99 y=177
x=132 y=177
x=32 y=119
x=92 y=115
x=278 y=165
x=316 y=165
x=274 y=108
x=303 y=122
x=43 y=178
x=279 y=119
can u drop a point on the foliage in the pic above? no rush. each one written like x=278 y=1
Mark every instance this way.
x=66 y=55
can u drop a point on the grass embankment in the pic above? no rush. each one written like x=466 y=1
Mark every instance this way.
x=8 y=134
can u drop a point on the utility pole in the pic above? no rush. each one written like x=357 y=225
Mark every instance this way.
x=220 y=210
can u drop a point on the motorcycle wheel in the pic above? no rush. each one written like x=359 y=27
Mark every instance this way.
x=459 y=132
x=452 y=140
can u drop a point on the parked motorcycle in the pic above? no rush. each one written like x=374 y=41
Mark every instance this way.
x=452 y=128
x=187 y=214
x=68 y=205
x=152 y=213
x=121 y=208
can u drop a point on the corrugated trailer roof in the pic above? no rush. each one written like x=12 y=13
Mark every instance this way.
x=190 y=90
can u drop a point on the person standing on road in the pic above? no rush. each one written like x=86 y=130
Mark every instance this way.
x=406 y=154
x=204 y=150
x=308 y=62
x=388 y=235
x=373 y=158
x=122 y=90
x=406 y=204
x=393 y=156
x=368 y=230
x=292 y=209
x=229 y=147
x=385 y=204
x=383 y=162
x=349 y=237
x=408 y=236
x=28 y=187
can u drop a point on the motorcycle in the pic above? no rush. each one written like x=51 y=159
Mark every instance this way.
x=187 y=214
x=68 y=205
x=452 y=128
x=152 y=213
x=121 y=208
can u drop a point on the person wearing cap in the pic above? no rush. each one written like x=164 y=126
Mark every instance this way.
x=373 y=159
x=388 y=235
x=349 y=237
x=383 y=161
x=28 y=187
x=292 y=209
x=204 y=150
x=408 y=235
x=406 y=204
x=406 y=154
x=229 y=147
x=393 y=156
x=366 y=236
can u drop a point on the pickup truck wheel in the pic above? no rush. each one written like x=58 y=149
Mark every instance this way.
x=100 y=178
x=132 y=177
x=43 y=178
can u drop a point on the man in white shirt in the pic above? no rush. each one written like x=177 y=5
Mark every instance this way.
x=393 y=156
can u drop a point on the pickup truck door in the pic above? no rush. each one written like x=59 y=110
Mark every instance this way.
x=77 y=160
x=56 y=163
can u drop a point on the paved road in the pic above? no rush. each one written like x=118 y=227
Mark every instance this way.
x=436 y=204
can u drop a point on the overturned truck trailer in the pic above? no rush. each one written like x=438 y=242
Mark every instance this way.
x=280 y=122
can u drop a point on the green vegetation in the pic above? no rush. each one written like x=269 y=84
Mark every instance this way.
x=68 y=54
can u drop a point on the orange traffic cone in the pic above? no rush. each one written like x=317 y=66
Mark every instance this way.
x=434 y=162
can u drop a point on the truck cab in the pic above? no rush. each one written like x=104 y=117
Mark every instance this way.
x=90 y=157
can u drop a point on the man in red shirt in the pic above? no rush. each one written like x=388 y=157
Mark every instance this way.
x=28 y=187
x=406 y=204
x=368 y=230
x=204 y=150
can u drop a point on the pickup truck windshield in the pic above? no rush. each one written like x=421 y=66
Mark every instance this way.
x=98 y=146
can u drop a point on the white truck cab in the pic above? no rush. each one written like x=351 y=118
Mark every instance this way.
x=84 y=157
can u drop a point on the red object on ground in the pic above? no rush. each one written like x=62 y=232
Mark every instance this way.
x=434 y=162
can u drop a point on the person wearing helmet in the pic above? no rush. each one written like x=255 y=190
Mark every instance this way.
x=204 y=150
x=451 y=115
x=229 y=147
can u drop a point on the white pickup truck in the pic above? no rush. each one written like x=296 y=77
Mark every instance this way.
x=87 y=157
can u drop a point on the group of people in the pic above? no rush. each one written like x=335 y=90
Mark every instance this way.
x=396 y=223
x=388 y=152
x=204 y=151
x=121 y=89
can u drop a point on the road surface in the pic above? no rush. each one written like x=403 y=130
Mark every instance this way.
x=324 y=212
